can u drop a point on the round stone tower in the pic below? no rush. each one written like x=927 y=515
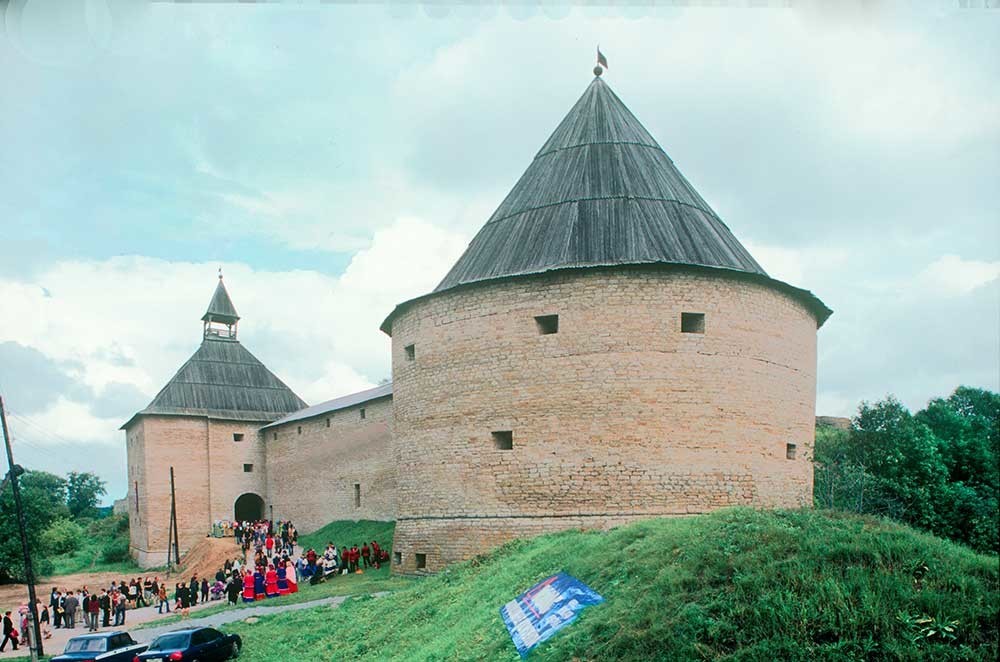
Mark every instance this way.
x=605 y=350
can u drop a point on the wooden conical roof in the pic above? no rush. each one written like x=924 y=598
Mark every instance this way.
x=600 y=192
x=221 y=308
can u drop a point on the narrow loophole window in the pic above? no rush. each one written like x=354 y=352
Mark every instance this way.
x=421 y=561
x=692 y=322
x=363 y=414
x=547 y=324
x=397 y=558
x=328 y=422
x=790 y=451
x=411 y=352
x=357 y=495
x=300 y=429
x=503 y=440
x=275 y=437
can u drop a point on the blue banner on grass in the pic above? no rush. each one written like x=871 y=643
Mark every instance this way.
x=546 y=608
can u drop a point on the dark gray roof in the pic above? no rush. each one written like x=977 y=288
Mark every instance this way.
x=223 y=380
x=602 y=193
x=221 y=308
x=343 y=402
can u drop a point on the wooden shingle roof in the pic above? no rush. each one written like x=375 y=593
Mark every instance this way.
x=602 y=193
x=223 y=380
x=221 y=308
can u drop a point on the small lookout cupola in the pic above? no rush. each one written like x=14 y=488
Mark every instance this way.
x=221 y=318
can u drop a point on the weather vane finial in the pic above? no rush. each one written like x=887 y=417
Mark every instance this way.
x=601 y=61
x=220 y=273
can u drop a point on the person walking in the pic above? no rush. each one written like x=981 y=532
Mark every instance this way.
x=92 y=609
x=43 y=619
x=204 y=590
x=163 y=600
x=193 y=592
x=9 y=633
x=70 y=605
x=54 y=607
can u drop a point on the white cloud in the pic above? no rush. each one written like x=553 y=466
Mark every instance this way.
x=950 y=274
x=318 y=333
x=67 y=421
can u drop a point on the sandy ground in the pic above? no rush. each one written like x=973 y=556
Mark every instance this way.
x=204 y=559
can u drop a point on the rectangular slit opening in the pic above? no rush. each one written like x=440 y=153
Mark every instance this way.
x=328 y=422
x=300 y=429
x=421 y=561
x=692 y=322
x=411 y=352
x=503 y=440
x=547 y=324
x=357 y=495
x=397 y=558
x=789 y=451
x=363 y=414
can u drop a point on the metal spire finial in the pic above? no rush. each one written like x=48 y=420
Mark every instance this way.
x=220 y=273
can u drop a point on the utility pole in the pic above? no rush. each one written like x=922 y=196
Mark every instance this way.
x=173 y=518
x=170 y=533
x=29 y=574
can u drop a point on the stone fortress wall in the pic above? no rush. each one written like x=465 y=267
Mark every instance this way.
x=503 y=430
x=336 y=465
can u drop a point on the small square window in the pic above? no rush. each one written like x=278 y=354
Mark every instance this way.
x=547 y=324
x=692 y=322
x=357 y=495
x=397 y=558
x=411 y=352
x=503 y=440
x=363 y=413
x=237 y=436
x=328 y=422
x=421 y=561
x=247 y=468
x=790 y=451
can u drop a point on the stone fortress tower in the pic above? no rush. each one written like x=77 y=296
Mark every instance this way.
x=204 y=423
x=605 y=350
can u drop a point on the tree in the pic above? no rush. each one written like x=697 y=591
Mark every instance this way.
x=43 y=496
x=83 y=490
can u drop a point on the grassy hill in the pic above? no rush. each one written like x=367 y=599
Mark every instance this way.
x=734 y=585
x=345 y=533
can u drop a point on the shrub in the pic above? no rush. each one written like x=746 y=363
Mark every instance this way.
x=62 y=536
x=115 y=550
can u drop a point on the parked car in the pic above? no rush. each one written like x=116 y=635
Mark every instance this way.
x=105 y=646
x=195 y=644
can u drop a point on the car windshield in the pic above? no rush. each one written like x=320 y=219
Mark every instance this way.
x=88 y=645
x=168 y=642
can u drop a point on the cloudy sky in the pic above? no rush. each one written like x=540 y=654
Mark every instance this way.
x=336 y=160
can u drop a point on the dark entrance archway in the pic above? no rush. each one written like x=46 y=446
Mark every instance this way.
x=248 y=506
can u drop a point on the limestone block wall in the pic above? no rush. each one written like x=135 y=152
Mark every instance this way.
x=227 y=463
x=616 y=416
x=314 y=465
x=208 y=477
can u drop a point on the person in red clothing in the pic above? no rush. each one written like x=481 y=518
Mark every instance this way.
x=269 y=544
x=271 y=582
x=376 y=555
x=248 y=592
x=366 y=555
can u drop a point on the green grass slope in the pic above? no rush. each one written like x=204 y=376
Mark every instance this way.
x=734 y=585
x=345 y=533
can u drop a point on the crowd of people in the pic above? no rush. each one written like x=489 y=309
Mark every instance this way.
x=268 y=568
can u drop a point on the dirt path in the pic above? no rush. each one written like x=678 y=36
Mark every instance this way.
x=204 y=559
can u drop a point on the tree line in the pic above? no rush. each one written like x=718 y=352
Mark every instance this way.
x=60 y=514
x=937 y=470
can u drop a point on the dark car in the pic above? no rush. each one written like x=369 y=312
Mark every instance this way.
x=196 y=644
x=105 y=646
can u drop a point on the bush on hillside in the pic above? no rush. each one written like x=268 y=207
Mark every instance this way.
x=115 y=550
x=732 y=585
x=62 y=536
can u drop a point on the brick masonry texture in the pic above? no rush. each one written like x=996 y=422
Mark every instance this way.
x=311 y=476
x=617 y=416
x=308 y=477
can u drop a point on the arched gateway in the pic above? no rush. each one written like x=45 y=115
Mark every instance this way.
x=248 y=506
